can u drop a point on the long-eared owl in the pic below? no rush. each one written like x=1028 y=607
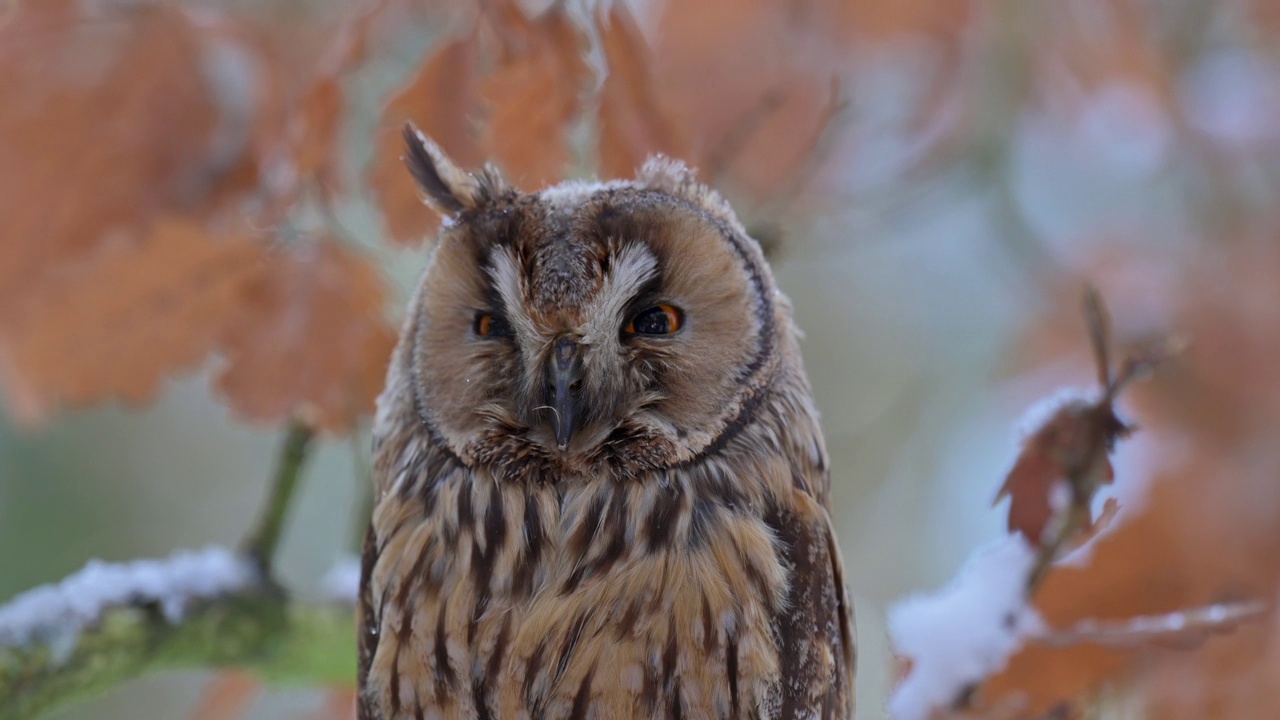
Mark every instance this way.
x=601 y=486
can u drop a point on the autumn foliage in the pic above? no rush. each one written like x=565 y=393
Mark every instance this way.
x=166 y=168
x=174 y=178
x=151 y=210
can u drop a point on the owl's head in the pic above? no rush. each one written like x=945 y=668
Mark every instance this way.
x=630 y=324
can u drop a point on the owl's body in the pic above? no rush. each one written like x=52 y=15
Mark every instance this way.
x=601 y=484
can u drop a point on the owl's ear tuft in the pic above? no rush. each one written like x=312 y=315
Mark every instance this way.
x=667 y=174
x=675 y=178
x=448 y=188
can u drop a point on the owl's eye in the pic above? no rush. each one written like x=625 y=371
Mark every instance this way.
x=488 y=325
x=657 y=320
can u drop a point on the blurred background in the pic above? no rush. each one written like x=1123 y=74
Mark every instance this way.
x=206 y=232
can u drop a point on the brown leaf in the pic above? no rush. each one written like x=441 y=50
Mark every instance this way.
x=1068 y=458
x=1187 y=548
x=534 y=94
x=634 y=121
x=442 y=101
x=749 y=83
x=940 y=19
x=114 y=116
x=116 y=324
x=316 y=121
x=318 y=153
x=1264 y=15
x=310 y=340
x=1207 y=529
x=103 y=124
x=359 y=32
x=1062 y=463
x=1126 y=49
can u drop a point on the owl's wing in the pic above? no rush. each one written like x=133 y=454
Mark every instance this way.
x=367 y=640
x=815 y=626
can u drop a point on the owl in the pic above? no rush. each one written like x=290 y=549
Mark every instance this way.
x=601 y=485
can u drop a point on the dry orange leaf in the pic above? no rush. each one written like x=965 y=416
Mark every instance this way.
x=1125 y=49
x=309 y=340
x=320 y=118
x=634 y=123
x=1208 y=529
x=442 y=101
x=316 y=127
x=1075 y=441
x=116 y=324
x=941 y=19
x=749 y=81
x=1068 y=458
x=534 y=94
x=1265 y=15
x=97 y=139
x=158 y=113
x=316 y=122
x=1192 y=545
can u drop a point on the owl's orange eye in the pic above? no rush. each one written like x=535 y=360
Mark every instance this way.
x=490 y=325
x=657 y=320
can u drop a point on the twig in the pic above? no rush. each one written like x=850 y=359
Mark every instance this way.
x=1074 y=522
x=249 y=624
x=1080 y=438
x=1182 y=628
x=1071 y=450
x=282 y=642
x=262 y=543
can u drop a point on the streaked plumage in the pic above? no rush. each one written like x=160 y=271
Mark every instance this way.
x=676 y=558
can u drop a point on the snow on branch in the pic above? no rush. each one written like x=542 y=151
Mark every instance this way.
x=210 y=608
x=109 y=623
x=965 y=632
x=342 y=581
x=56 y=614
x=958 y=637
x=1182 y=628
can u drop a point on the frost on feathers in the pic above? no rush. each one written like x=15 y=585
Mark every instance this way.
x=56 y=613
x=966 y=631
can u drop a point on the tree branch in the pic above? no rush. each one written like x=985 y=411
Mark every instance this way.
x=261 y=544
x=210 y=609
x=282 y=642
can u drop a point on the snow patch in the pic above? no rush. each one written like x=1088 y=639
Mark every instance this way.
x=342 y=582
x=1124 y=125
x=1043 y=410
x=56 y=613
x=573 y=192
x=1231 y=96
x=966 y=631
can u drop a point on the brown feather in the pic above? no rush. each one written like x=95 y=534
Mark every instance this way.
x=676 y=558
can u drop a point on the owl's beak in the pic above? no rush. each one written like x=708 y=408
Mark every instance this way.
x=565 y=378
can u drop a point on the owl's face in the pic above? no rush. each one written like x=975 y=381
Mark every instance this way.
x=585 y=325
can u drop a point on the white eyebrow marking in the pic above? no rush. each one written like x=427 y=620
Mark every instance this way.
x=504 y=271
x=633 y=266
